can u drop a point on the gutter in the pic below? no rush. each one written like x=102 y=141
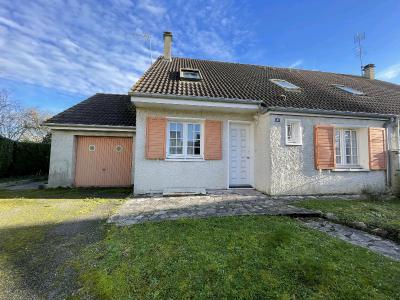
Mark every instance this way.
x=196 y=98
x=327 y=113
x=89 y=127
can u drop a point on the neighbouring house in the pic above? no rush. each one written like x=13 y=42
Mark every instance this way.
x=190 y=125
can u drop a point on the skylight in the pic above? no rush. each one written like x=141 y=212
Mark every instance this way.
x=285 y=84
x=190 y=74
x=348 y=89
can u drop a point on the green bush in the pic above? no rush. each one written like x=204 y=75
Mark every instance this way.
x=6 y=156
x=23 y=158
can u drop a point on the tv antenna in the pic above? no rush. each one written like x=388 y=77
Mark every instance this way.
x=358 y=41
x=147 y=37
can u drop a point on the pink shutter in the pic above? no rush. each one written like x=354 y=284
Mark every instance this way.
x=377 y=148
x=156 y=137
x=324 y=147
x=213 y=140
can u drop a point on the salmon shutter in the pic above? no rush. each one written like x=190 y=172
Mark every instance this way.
x=213 y=140
x=377 y=148
x=324 y=147
x=155 y=137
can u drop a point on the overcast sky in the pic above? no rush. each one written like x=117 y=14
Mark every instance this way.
x=56 y=53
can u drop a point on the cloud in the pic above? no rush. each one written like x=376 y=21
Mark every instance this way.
x=94 y=46
x=390 y=73
x=296 y=64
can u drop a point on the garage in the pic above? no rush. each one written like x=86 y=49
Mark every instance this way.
x=103 y=161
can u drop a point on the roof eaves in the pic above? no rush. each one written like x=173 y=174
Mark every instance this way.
x=329 y=112
x=197 y=98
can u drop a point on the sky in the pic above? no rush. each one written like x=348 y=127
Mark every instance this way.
x=54 y=53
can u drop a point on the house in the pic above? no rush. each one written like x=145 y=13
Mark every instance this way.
x=191 y=124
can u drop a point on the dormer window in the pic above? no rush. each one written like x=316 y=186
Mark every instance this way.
x=285 y=84
x=190 y=74
x=348 y=89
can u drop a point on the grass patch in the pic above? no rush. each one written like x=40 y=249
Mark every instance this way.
x=234 y=257
x=41 y=231
x=375 y=214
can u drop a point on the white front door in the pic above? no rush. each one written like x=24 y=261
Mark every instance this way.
x=239 y=155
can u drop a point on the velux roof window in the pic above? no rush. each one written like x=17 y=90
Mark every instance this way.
x=285 y=84
x=348 y=89
x=190 y=74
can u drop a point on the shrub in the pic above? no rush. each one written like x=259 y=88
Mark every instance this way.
x=23 y=158
x=6 y=156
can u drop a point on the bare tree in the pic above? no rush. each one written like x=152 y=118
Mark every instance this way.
x=19 y=124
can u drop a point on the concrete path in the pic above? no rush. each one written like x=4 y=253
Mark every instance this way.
x=357 y=237
x=215 y=203
x=28 y=184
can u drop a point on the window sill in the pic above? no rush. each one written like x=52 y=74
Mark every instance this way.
x=185 y=159
x=350 y=170
x=294 y=144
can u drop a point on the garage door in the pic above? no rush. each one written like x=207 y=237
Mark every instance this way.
x=103 y=161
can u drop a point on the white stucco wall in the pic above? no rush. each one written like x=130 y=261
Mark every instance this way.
x=292 y=170
x=262 y=157
x=154 y=176
x=63 y=150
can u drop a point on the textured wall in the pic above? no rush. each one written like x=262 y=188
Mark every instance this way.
x=292 y=167
x=62 y=155
x=157 y=175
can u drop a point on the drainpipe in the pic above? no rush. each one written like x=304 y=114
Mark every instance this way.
x=386 y=125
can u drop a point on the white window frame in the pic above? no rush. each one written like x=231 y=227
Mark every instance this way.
x=349 y=89
x=184 y=155
x=342 y=149
x=279 y=82
x=297 y=139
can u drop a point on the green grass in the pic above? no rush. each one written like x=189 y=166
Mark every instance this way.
x=375 y=214
x=56 y=242
x=40 y=230
x=234 y=257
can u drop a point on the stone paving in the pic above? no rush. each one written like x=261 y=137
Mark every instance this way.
x=215 y=203
x=356 y=237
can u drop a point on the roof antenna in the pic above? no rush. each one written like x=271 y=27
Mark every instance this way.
x=147 y=37
x=358 y=40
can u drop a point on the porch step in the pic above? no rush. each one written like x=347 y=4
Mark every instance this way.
x=184 y=192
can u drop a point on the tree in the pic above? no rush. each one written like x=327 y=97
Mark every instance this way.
x=20 y=124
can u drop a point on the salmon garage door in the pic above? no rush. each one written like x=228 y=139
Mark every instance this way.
x=103 y=161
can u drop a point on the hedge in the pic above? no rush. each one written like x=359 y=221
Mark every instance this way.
x=23 y=158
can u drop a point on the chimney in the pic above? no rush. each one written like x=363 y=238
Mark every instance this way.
x=369 y=71
x=167 y=45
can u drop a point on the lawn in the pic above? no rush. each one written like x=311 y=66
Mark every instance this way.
x=375 y=214
x=232 y=257
x=41 y=230
x=56 y=244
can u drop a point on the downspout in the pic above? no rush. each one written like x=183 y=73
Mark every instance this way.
x=386 y=125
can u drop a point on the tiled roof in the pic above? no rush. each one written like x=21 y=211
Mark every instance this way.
x=99 y=109
x=251 y=82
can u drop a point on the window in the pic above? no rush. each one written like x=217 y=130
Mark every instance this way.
x=92 y=148
x=293 y=132
x=119 y=148
x=346 y=147
x=184 y=140
x=348 y=89
x=190 y=74
x=285 y=84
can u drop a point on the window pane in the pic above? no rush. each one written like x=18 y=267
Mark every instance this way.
x=338 y=148
x=190 y=151
x=193 y=139
x=289 y=132
x=175 y=138
x=197 y=151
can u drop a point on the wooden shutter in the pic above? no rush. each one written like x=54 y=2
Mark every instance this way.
x=213 y=140
x=155 y=137
x=324 y=147
x=377 y=148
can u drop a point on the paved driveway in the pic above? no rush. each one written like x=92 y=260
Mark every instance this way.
x=215 y=203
